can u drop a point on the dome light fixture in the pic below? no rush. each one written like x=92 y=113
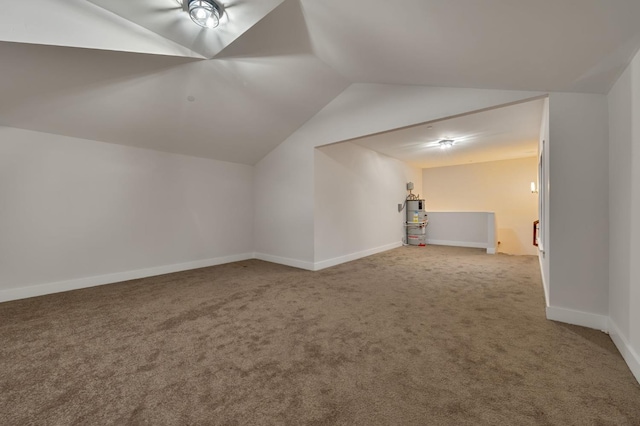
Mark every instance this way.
x=446 y=144
x=205 y=13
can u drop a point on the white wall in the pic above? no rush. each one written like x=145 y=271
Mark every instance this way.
x=357 y=192
x=502 y=187
x=634 y=299
x=543 y=211
x=624 y=211
x=463 y=229
x=578 y=209
x=75 y=212
x=284 y=179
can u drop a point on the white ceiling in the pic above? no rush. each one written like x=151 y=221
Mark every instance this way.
x=497 y=134
x=545 y=45
x=78 y=23
x=241 y=108
x=276 y=63
x=166 y=18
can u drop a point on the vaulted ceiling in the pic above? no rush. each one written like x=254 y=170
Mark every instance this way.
x=502 y=133
x=141 y=74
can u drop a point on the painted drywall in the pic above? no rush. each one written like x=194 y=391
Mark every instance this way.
x=284 y=179
x=634 y=299
x=463 y=229
x=621 y=116
x=578 y=207
x=543 y=208
x=624 y=210
x=74 y=209
x=502 y=187
x=357 y=192
x=78 y=23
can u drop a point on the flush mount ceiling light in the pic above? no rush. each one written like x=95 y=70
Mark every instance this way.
x=446 y=143
x=205 y=13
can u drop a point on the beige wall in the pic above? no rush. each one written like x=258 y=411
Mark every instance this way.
x=502 y=187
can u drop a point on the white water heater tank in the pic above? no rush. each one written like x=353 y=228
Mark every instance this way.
x=416 y=223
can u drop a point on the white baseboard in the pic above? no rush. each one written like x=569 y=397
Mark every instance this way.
x=544 y=281
x=301 y=264
x=354 y=256
x=628 y=353
x=490 y=250
x=76 y=284
x=584 y=319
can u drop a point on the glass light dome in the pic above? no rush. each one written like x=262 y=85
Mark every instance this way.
x=205 y=13
x=446 y=144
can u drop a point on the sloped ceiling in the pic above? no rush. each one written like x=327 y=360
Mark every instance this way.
x=141 y=74
x=166 y=18
x=546 y=45
x=78 y=23
x=502 y=133
x=231 y=109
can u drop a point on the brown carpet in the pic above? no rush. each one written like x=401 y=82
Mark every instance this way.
x=414 y=336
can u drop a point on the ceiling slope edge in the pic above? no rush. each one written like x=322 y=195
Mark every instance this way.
x=367 y=109
x=78 y=23
x=282 y=32
x=167 y=18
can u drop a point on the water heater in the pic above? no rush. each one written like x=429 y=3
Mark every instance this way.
x=416 y=222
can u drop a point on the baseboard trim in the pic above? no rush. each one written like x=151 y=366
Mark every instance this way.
x=323 y=264
x=584 y=319
x=76 y=284
x=295 y=263
x=544 y=281
x=628 y=353
x=490 y=250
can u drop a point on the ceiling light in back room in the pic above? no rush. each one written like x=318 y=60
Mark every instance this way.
x=446 y=143
x=205 y=13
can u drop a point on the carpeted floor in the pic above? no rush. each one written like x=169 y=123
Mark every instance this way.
x=413 y=336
